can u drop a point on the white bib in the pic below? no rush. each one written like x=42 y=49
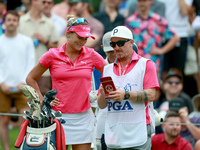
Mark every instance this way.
x=126 y=120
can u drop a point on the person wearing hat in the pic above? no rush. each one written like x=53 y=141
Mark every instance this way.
x=84 y=9
x=71 y=68
x=189 y=131
x=110 y=58
x=173 y=87
x=129 y=120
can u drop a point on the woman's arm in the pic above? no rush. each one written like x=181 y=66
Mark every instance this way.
x=101 y=69
x=33 y=75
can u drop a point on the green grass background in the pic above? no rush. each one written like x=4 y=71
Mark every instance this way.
x=13 y=134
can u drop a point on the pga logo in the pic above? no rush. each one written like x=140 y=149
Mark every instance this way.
x=118 y=105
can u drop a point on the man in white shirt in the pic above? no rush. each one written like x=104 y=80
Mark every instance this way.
x=16 y=60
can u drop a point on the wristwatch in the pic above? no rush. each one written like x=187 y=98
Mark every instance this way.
x=127 y=95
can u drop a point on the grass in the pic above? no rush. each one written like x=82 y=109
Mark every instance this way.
x=13 y=134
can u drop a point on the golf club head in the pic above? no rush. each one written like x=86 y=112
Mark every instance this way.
x=53 y=116
x=58 y=114
x=42 y=115
x=26 y=118
x=46 y=116
x=48 y=97
x=28 y=114
x=46 y=109
x=31 y=94
x=30 y=105
x=35 y=118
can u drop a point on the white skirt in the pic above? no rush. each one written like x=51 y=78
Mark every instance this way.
x=79 y=127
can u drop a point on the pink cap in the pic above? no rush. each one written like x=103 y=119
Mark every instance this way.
x=81 y=30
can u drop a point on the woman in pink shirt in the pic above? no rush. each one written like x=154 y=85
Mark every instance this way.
x=71 y=68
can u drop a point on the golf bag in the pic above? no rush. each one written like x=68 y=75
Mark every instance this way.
x=48 y=138
x=40 y=129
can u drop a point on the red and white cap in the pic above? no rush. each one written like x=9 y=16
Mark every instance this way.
x=81 y=30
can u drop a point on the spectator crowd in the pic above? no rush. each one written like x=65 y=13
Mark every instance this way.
x=162 y=32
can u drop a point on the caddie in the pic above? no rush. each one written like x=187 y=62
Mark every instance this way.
x=130 y=110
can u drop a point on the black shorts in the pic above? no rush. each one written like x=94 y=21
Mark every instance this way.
x=176 y=58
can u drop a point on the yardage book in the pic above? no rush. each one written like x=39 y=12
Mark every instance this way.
x=108 y=85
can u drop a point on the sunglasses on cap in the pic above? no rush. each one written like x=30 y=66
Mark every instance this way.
x=119 y=43
x=171 y=82
x=80 y=20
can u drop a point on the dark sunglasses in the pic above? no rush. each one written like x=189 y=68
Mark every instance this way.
x=44 y=2
x=171 y=82
x=80 y=20
x=119 y=43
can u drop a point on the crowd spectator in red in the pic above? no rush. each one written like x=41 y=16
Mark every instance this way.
x=170 y=139
x=189 y=130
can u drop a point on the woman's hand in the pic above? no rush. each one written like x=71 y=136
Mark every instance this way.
x=55 y=102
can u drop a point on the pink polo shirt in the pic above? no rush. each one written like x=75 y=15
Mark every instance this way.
x=150 y=78
x=72 y=80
